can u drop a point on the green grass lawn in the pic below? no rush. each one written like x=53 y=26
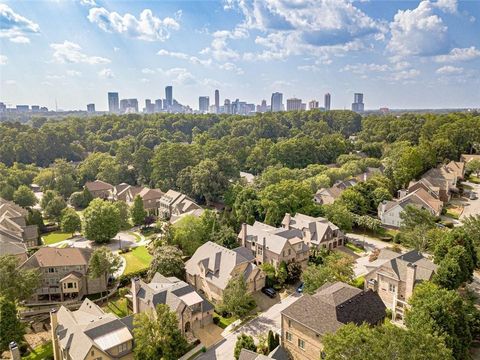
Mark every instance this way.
x=359 y=282
x=137 y=259
x=118 y=307
x=55 y=237
x=224 y=322
x=354 y=248
x=474 y=179
x=42 y=352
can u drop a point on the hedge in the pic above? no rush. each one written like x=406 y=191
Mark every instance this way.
x=125 y=279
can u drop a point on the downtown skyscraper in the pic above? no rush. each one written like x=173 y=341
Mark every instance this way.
x=328 y=100
x=217 y=101
x=168 y=97
x=276 y=103
x=113 y=102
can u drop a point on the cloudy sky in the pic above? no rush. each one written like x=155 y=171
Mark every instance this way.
x=400 y=54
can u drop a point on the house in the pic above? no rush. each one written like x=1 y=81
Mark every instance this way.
x=64 y=274
x=326 y=196
x=192 y=310
x=99 y=189
x=466 y=158
x=424 y=184
x=393 y=276
x=248 y=177
x=307 y=320
x=389 y=212
x=458 y=168
x=445 y=178
x=271 y=245
x=315 y=232
x=212 y=266
x=15 y=234
x=278 y=353
x=174 y=205
x=125 y=192
x=91 y=333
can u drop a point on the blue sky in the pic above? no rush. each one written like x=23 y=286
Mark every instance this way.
x=400 y=54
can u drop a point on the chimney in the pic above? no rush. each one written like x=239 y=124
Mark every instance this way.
x=264 y=241
x=53 y=326
x=244 y=235
x=14 y=351
x=134 y=290
x=410 y=280
x=288 y=218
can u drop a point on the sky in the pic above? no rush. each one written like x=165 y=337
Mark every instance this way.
x=400 y=54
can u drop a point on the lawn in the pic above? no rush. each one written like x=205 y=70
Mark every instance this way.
x=118 y=307
x=224 y=322
x=42 y=352
x=55 y=237
x=354 y=248
x=137 y=259
x=474 y=179
x=453 y=211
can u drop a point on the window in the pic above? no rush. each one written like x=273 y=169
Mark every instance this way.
x=301 y=344
x=289 y=323
x=288 y=336
x=51 y=270
x=259 y=250
x=70 y=285
x=289 y=252
x=123 y=347
x=392 y=288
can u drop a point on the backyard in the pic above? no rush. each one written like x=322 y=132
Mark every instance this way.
x=42 y=352
x=137 y=259
x=55 y=237
x=117 y=306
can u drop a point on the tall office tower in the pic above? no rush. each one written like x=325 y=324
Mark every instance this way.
x=262 y=107
x=3 y=107
x=113 y=105
x=22 y=108
x=91 y=108
x=149 y=106
x=313 y=104
x=294 y=104
x=35 y=108
x=358 y=105
x=328 y=100
x=277 y=102
x=158 y=105
x=168 y=96
x=227 y=107
x=129 y=105
x=217 y=101
x=203 y=104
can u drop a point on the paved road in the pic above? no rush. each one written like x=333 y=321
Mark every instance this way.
x=370 y=243
x=473 y=206
x=269 y=320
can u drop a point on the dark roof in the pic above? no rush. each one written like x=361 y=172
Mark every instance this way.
x=246 y=253
x=334 y=305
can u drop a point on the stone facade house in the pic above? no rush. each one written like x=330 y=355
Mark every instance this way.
x=315 y=232
x=99 y=189
x=90 y=333
x=192 y=310
x=173 y=205
x=306 y=321
x=15 y=234
x=212 y=266
x=394 y=276
x=274 y=245
x=64 y=274
x=389 y=212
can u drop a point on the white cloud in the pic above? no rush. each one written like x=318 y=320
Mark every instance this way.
x=179 y=76
x=363 y=68
x=405 y=75
x=231 y=67
x=106 y=73
x=73 y=73
x=219 y=48
x=309 y=68
x=144 y=80
x=3 y=60
x=54 y=77
x=459 y=54
x=449 y=70
x=178 y=55
x=148 y=71
x=147 y=27
x=70 y=52
x=116 y=49
x=15 y=27
x=449 y=6
x=88 y=2
x=10 y=82
x=419 y=32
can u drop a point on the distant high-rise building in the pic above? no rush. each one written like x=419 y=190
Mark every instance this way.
x=168 y=96
x=129 y=105
x=113 y=104
x=294 y=104
x=227 y=107
x=22 y=108
x=328 y=100
x=203 y=104
x=3 y=107
x=217 y=101
x=277 y=102
x=262 y=107
x=35 y=108
x=313 y=104
x=357 y=104
x=158 y=105
x=149 y=107
x=91 y=108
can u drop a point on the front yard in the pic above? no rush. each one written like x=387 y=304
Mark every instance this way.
x=55 y=237
x=222 y=321
x=137 y=259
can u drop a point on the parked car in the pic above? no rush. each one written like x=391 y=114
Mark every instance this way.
x=300 y=288
x=270 y=292
x=473 y=196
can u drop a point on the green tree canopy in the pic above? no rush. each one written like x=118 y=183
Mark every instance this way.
x=167 y=260
x=17 y=284
x=244 y=341
x=71 y=221
x=24 y=197
x=236 y=300
x=137 y=211
x=101 y=221
x=11 y=329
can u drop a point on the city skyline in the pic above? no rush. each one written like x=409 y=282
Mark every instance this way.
x=416 y=54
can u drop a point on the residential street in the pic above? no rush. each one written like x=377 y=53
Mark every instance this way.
x=269 y=320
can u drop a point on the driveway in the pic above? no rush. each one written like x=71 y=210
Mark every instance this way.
x=370 y=243
x=472 y=207
x=121 y=241
x=269 y=320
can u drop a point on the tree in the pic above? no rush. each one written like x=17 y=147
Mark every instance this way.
x=11 y=329
x=189 y=234
x=17 y=284
x=294 y=271
x=208 y=180
x=226 y=237
x=81 y=199
x=101 y=221
x=55 y=207
x=64 y=177
x=35 y=217
x=338 y=214
x=413 y=216
x=137 y=211
x=270 y=274
x=282 y=273
x=157 y=335
x=473 y=166
x=383 y=342
x=24 y=197
x=236 y=299
x=244 y=341
x=71 y=222
x=354 y=201
x=336 y=267
x=123 y=213
x=167 y=260
x=102 y=263
x=47 y=197
x=443 y=312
